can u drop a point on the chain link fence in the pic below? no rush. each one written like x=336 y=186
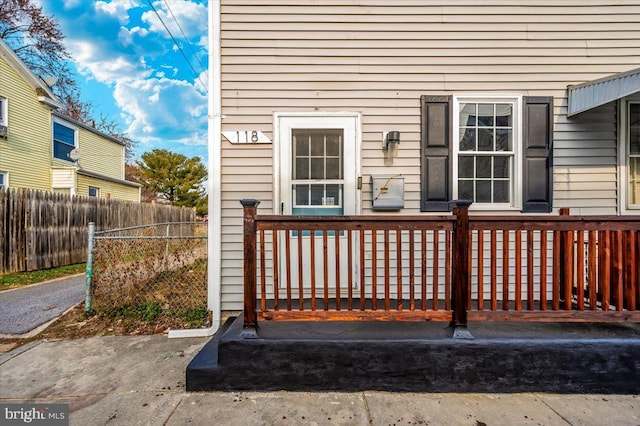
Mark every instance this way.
x=154 y=273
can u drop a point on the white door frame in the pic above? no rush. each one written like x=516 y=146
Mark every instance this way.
x=278 y=116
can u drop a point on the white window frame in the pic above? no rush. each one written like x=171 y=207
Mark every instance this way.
x=53 y=142
x=97 y=189
x=516 y=178
x=5 y=180
x=624 y=109
x=4 y=111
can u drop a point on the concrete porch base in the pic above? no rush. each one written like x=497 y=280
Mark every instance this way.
x=420 y=357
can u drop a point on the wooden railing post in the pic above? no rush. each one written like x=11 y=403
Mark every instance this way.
x=565 y=266
x=460 y=269
x=250 y=209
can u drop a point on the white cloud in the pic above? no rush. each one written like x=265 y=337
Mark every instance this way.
x=68 y=4
x=125 y=36
x=90 y=62
x=192 y=18
x=161 y=106
x=118 y=9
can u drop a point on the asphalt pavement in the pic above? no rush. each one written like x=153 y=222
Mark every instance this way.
x=24 y=309
x=140 y=380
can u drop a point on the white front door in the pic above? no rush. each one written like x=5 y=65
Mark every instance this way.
x=319 y=165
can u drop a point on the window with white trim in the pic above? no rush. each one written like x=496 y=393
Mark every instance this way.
x=64 y=140
x=4 y=112
x=4 y=180
x=633 y=155
x=94 y=191
x=485 y=169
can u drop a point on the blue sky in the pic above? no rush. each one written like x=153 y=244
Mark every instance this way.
x=133 y=73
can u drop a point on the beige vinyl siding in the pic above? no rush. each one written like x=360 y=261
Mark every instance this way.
x=107 y=189
x=378 y=57
x=26 y=154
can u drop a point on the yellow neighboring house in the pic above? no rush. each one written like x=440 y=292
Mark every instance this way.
x=44 y=150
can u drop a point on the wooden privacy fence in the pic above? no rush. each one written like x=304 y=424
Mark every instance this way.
x=440 y=268
x=42 y=230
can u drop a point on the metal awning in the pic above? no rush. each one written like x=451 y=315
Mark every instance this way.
x=585 y=96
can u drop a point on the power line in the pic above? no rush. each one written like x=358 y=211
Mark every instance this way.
x=177 y=45
x=184 y=36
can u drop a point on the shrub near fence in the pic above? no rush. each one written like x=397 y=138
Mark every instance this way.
x=43 y=230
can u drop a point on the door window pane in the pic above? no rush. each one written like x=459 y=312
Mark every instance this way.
x=317 y=171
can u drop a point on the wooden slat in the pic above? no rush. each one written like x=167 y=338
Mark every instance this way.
x=530 y=269
x=447 y=270
x=567 y=279
x=337 y=257
x=300 y=275
x=276 y=271
x=325 y=268
x=423 y=269
x=580 y=271
x=374 y=270
x=591 y=268
x=543 y=270
x=633 y=266
x=350 y=270
x=505 y=270
x=387 y=298
x=480 y=247
x=556 y=316
x=558 y=260
x=399 y=268
x=362 y=273
x=518 y=283
x=312 y=272
x=332 y=315
x=605 y=267
x=436 y=268
x=619 y=270
x=494 y=281
x=263 y=274
x=412 y=273
x=470 y=271
x=287 y=254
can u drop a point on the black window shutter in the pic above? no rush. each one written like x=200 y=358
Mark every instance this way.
x=435 y=151
x=537 y=190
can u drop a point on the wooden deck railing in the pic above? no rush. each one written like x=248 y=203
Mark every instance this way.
x=440 y=268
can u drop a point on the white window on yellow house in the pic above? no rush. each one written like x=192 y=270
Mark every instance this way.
x=4 y=118
x=64 y=140
x=633 y=155
x=3 y=111
x=94 y=191
x=4 y=180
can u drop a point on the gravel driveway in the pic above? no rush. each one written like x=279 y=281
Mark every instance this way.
x=23 y=309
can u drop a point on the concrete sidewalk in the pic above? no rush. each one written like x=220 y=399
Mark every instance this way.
x=131 y=380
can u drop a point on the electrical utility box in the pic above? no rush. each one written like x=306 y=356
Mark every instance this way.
x=387 y=192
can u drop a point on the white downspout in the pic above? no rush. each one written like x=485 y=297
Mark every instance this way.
x=214 y=231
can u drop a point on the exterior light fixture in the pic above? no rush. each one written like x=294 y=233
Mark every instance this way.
x=390 y=138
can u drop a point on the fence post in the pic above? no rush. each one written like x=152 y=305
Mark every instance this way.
x=250 y=208
x=89 y=267
x=460 y=269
